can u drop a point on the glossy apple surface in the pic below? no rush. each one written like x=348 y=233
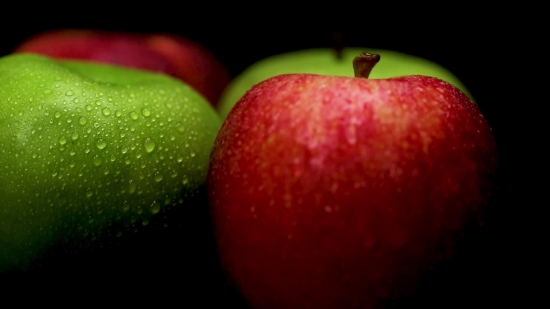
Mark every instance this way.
x=90 y=149
x=326 y=62
x=160 y=52
x=339 y=192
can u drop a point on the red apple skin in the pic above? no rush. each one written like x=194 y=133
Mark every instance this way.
x=338 y=192
x=165 y=53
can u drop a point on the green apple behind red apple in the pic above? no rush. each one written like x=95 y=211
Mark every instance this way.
x=326 y=62
x=340 y=192
x=160 y=52
x=87 y=146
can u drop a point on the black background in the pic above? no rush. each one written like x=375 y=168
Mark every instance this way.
x=494 y=267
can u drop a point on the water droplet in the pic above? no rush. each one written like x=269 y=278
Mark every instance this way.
x=118 y=113
x=57 y=114
x=127 y=161
x=97 y=160
x=83 y=121
x=155 y=207
x=62 y=140
x=158 y=177
x=185 y=181
x=124 y=149
x=76 y=100
x=74 y=136
x=69 y=93
x=192 y=154
x=72 y=152
x=149 y=145
x=89 y=107
x=174 y=174
x=132 y=187
x=125 y=206
x=106 y=111
x=144 y=222
x=89 y=193
x=179 y=159
x=48 y=92
x=146 y=112
x=101 y=143
x=113 y=158
x=97 y=102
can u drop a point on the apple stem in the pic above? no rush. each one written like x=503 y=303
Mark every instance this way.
x=338 y=44
x=363 y=64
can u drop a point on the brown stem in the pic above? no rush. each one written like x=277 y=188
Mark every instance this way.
x=363 y=64
x=338 y=44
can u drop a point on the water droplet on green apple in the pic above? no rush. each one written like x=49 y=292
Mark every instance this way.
x=82 y=121
x=118 y=113
x=89 y=107
x=146 y=112
x=185 y=180
x=158 y=177
x=131 y=187
x=72 y=152
x=62 y=140
x=57 y=114
x=149 y=145
x=155 y=207
x=97 y=160
x=74 y=136
x=69 y=93
x=101 y=143
x=106 y=111
x=134 y=115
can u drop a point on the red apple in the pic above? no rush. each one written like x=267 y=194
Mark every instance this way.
x=338 y=192
x=165 y=53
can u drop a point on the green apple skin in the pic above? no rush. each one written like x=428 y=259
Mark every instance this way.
x=87 y=147
x=325 y=62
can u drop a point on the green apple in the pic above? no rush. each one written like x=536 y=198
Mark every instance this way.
x=89 y=149
x=326 y=62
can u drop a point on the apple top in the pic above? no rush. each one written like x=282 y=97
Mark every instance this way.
x=363 y=64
